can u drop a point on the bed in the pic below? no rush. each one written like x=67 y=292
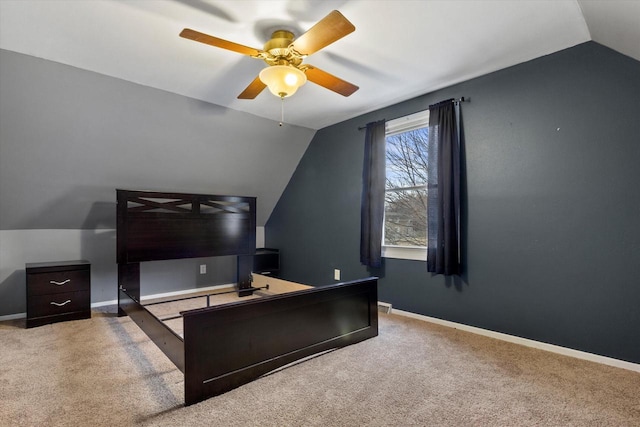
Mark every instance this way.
x=272 y=323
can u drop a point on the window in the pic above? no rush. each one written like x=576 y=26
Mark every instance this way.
x=405 y=206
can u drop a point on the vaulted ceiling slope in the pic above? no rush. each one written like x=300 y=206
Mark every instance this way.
x=400 y=48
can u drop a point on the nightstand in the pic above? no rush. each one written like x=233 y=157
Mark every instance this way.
x=267 y=261
x=58 y=291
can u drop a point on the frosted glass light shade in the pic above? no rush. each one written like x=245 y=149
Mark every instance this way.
x=282 y=80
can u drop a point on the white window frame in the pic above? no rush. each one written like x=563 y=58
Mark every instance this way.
x=405 y=124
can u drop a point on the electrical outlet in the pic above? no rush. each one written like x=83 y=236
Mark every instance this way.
x=336 y=274
x=203 y=268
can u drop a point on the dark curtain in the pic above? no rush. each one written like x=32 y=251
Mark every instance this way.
x=443 y=211
x=372 y=207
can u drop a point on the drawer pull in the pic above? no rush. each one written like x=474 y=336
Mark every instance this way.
x=60 y=304
x=53 y=282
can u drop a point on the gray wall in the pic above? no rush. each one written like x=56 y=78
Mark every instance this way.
x=551 y=206
x=70 y=137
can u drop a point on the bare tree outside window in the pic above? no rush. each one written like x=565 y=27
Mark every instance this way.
x=406 y=190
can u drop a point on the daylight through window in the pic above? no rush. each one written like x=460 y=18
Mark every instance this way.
x=405 y=209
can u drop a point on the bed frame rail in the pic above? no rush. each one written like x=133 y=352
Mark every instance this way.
x=164 y=337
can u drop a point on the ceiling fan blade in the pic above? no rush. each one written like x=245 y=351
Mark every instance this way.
x=332 y=27
x=329 y=81
x=253 y=90
x=215 y=41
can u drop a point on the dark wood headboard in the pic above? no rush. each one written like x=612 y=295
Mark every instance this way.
x=160 y=226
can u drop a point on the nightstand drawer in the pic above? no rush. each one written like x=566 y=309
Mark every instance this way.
x=57 y=282
x=59 y=303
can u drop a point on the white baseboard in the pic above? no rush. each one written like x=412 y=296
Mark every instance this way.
x=184 y=292
x=144 y=298
x=13 y=316
x=526 y=342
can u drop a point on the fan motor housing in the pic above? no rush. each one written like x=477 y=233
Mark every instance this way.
x=278 y=49
x=280 y=40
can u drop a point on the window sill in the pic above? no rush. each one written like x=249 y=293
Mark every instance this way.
x=404 y=252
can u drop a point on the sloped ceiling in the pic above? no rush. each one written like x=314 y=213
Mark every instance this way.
x=400 y=49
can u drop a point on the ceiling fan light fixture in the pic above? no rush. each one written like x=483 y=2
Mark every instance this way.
x=282 y=80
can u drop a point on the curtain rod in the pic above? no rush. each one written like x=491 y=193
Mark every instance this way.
x=461 y=99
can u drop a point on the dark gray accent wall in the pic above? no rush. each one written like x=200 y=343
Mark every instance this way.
x=551 y=206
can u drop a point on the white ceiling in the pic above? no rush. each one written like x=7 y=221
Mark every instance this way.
x=400 y=49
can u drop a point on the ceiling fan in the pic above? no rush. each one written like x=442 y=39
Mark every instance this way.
x=284 y=55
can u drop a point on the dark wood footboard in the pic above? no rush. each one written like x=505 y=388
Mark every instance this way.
x=231 y=345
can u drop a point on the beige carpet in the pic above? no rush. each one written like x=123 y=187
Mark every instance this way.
x=105 y=371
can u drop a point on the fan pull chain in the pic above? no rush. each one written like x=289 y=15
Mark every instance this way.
x=281 y=111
